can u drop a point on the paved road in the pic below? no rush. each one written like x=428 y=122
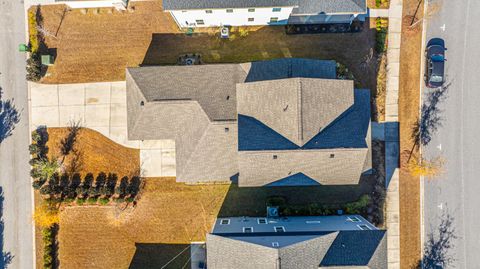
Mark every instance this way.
x=458 y=190
x=14 y=169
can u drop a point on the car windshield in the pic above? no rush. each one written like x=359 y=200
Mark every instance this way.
x=436 y=78
x=437 y=58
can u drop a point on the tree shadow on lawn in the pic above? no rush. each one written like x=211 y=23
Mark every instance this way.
x=354 y=50
x=252 y=201
x=153 y=255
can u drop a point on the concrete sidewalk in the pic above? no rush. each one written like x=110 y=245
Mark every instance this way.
x=101 y=107
x=392 y=154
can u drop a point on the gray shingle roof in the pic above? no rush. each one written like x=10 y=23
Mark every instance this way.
x=330 y=6
x=298 y=250
x=295 y=108
x=212 y=86
x=303 y=6
x=197 y=107
x=202 y=4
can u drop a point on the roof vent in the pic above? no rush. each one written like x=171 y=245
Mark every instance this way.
x=332 y=155
x=285 y=108
x=142 y=103
x=227 y=129
x=228 y=97
x=272 y=212
x=275 y=157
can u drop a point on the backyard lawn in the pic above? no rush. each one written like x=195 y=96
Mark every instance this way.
x=98 y=45
x=168 y=216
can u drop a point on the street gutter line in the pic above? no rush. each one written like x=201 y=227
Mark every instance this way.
x=422 y=178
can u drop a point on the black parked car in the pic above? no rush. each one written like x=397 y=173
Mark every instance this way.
x=435 y=63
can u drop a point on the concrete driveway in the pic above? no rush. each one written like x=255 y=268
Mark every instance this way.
x=101 y=107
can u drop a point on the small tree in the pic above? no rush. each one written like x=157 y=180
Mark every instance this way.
x=121 y=189
x=86 y=185
x=45 y=216
x=133 y=186
x=100 y=183
x=46 y=168
x=425 y=167
x=110 y=185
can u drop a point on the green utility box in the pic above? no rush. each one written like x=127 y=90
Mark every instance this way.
x=47 y=59
x=23 y=48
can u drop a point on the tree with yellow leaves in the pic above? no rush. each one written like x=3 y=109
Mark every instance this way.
x=426 y=167
x=45 y=216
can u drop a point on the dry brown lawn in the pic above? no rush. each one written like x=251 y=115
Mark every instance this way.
x=98 y=47
x=95 y=153
x=168 y=213
x=410 y=54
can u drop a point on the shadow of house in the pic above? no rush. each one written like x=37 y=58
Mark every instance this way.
x=252 y=201
x=153 y=255
x=354 y=50
x=7 y=257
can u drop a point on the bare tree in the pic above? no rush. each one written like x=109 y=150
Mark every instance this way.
x=426 y=167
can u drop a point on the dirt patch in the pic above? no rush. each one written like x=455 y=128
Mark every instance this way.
x=409 y=95
x=95 y=153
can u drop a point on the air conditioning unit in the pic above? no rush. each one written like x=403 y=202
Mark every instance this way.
x=272 y=212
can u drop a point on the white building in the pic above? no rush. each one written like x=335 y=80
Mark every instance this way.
x=211 y=13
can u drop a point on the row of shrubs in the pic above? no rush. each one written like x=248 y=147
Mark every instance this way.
x=50 y=246
x=381 y=35
x=36 y=40
x=357 y=207
x=66 y=187
x=103 y=187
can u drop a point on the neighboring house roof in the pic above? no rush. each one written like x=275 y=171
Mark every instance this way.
x=353 y=248
x=308 y=242
x=306 y=7
x=302 y=6
x=203 y=4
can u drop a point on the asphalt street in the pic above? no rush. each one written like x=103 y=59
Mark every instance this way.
x=457 y=190
x=17 y=231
